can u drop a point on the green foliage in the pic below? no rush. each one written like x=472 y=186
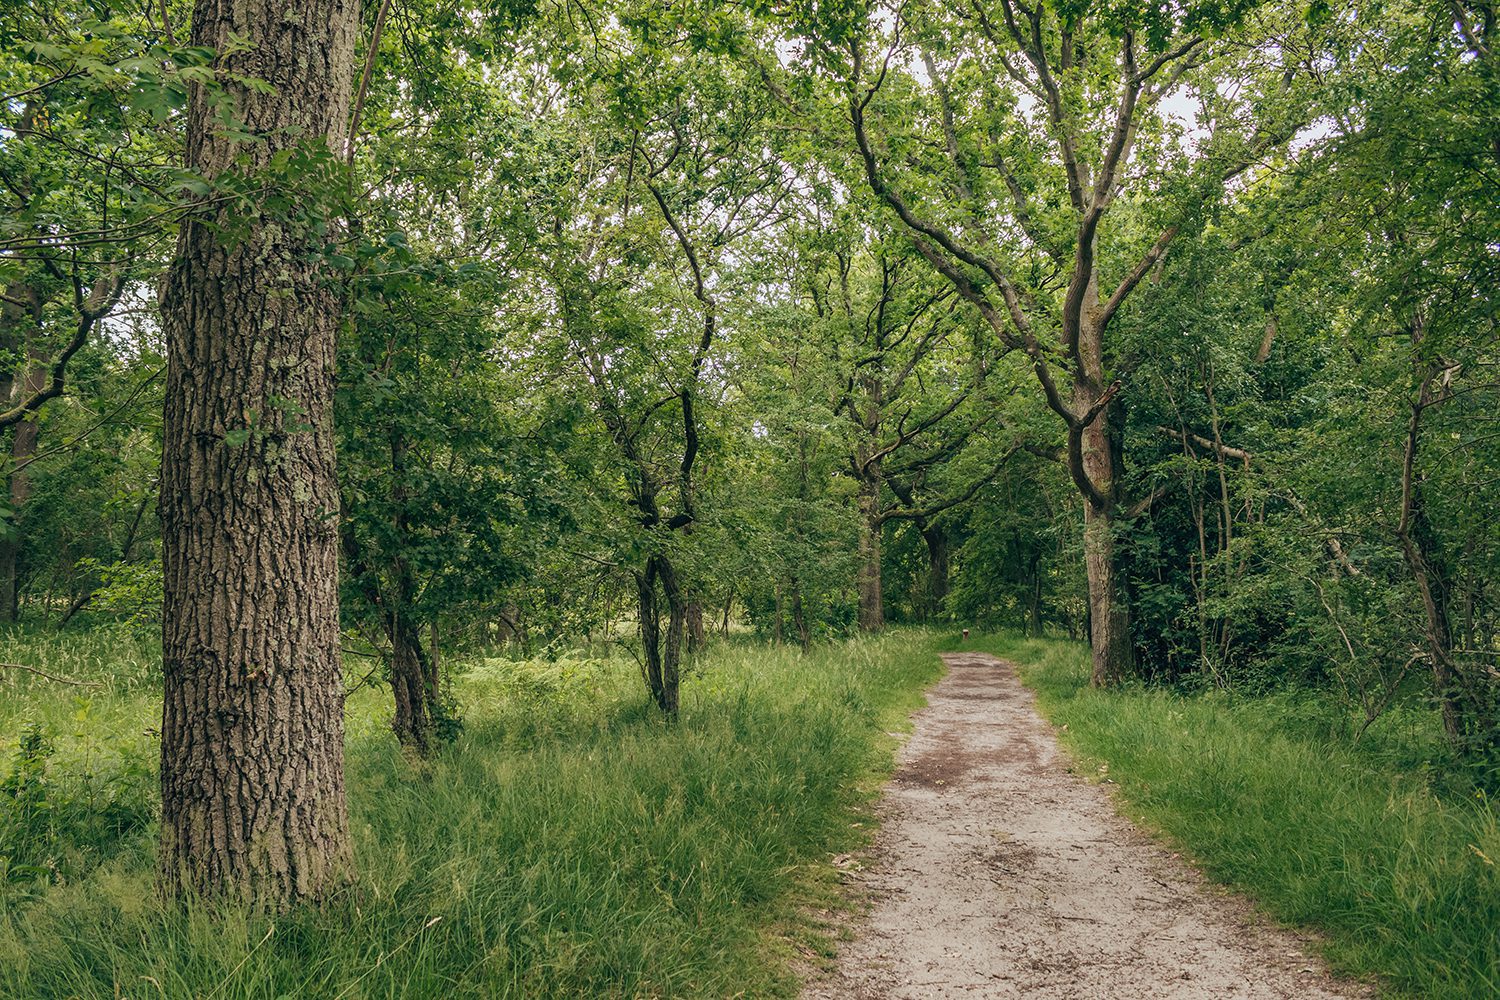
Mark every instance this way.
x=617 y=290
x=25 y=824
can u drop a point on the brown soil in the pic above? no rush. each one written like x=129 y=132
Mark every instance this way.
x=1000 y=873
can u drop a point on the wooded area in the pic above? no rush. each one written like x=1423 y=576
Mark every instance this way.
x=340 y=347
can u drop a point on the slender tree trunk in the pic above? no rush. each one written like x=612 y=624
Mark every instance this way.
x=936 y=537
x=1109 y=610
x=779 y=626
x=1428 y=573
x=1469 y=704
x=1034 y=597
x=696 y=633
x=414 y=674
x=10 y=551
x=661 y=649
x=1268 y=340
x=252 y=763
x=871 y=596
x=799 y=617
x=414 y=682
x=21 y=323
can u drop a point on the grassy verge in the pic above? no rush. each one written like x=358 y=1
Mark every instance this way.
x=1271 y=796
x=571 y=844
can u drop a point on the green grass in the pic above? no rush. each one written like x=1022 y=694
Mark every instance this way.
x=572 y=844
x=1363 y=841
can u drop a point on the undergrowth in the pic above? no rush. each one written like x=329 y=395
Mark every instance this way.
x=571 y=843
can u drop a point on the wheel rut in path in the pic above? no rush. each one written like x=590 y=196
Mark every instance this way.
x=999 y=873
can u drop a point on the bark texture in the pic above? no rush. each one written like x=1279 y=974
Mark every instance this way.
x=1112 y=650
x=252 y=767
x=23 y=447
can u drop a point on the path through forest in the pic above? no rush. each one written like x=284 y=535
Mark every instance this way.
x=999 y=873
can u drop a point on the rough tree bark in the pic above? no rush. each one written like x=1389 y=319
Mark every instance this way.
x=1098 y=459
x=414 y=682
x=252 y=770
x=697 y=634
x=22 y=447
x=20 y=321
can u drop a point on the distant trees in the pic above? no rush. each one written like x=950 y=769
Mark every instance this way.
x=86 y=203
x=907 y=369
x=1049 y=113
x=674 y=175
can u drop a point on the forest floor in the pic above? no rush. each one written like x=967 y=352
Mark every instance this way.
x=999 y=872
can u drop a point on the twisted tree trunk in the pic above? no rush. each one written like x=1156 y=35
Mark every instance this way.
x=661 y=648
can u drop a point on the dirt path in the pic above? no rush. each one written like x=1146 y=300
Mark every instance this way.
x=998 y=873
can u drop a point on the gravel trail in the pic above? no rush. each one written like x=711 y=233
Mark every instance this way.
x=1000 y=873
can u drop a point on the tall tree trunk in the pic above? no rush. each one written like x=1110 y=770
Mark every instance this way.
x=871 y=596
x=252 y=759
x=21 y=318
x=1109 y=611
x=936 y=537
x=23 y=447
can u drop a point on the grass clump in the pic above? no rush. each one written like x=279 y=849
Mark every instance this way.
x=1368 y=841
x=572 y=843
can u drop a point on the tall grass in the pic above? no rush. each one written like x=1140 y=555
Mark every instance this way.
x=572 y=844
x=1361 y=840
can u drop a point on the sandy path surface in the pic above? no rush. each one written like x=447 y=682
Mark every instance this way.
x=997 y=873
